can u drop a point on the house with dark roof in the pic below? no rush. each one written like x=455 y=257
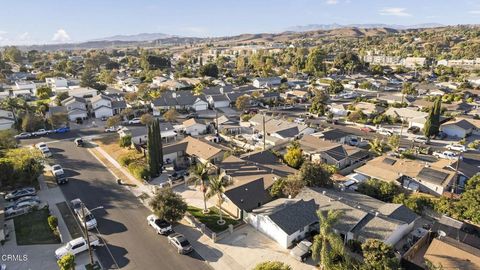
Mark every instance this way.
x=244 y=197
x=460 y=128
x=341 y=156
x=285 y=220
x=6 y=119
x=181 y=100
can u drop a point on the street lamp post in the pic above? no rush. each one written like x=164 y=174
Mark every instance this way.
x=86 y=230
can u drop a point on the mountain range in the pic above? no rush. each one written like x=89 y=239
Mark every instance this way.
x=313 y=27
x=136 y=37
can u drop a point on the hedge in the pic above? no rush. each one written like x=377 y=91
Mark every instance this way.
x=139 y=170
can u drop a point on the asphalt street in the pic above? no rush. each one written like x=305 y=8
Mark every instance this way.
x=131 y=243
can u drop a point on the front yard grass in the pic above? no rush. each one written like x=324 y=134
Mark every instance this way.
x=210 y=219
x=33 y=229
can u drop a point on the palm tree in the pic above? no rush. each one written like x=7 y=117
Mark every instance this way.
x=216 y=187
x=199 y=174
x=376 y=146
x=327 y=244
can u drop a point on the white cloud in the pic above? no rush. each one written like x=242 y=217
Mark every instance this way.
x=476 y=12
x=24 y=36
x=395 y=11
x=61 y=36
x=332 y=2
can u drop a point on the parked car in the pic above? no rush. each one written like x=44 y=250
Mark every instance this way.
x=57 y=169
x=161 y=226
x=301 y=251
x=134 y=121
x=46 y=152
x=385 y=132
x=104 y=118
x=77 y=246
x=21 y=207
x=79 y=142
x=87 y=219
x=445 y=155
x=441 y=135
x=62 y=130
x=367 y=129
x=76 y=205
x=456 y=147
x=421 y=139
x=111 y=129
x=25 y=199
x=413 y=129
x=299 y=120
x=41 y=145
x=61 y=179
x=19 y=193
x=180 y=243
x=178 y=175
x=353 y=141
x=23 y=135
x=79 y=120
x=40 y=132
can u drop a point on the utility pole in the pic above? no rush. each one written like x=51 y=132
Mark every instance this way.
x=86 y=234
x=264 y=132
x=216 y=121
x=459 y=157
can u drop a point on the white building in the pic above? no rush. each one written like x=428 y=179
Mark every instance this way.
x=76 y=108
x=102 y=106
x=194 y=127
x=269 y=82
x=24 y=88
x=56 y=82
x=6 y=119
x=82 y=92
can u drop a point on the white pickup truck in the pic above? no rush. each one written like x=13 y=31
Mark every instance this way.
x=77 y=246
x=445 y=155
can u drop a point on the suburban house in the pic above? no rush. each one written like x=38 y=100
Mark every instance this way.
x=56 y=82
x=250 y=176
x=218 y=101
x=411 y=174
x=76 y=107
x=338 y=109
x=342 y=156
x=82 y=92
x=228 y=126
x=6 y=120
x=395 y=98
x=334 y=135
x=197 y=149
x=101 y=106
x=194 y=127
x=25 y=89
x=408 y=115
x=296 y=94
x=269 y=82
x=278 y=130
x=369 y=109
x=288 y=221
x=179 y=100
x=140 y=134
x=460 y=127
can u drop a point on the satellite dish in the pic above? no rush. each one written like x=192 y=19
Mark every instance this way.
x=441 y=233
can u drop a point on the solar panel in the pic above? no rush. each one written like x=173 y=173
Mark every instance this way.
x=431 y=175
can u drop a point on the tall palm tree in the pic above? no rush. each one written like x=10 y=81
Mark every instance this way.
x=199 y=174
x=327 y=244
x=216 y=187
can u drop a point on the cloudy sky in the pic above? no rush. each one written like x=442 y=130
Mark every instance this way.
x=56 y=21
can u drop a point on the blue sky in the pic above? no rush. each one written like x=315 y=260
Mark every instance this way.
x=54 y=21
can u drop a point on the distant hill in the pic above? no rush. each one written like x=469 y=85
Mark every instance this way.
x=136 y=37
x=314 y=27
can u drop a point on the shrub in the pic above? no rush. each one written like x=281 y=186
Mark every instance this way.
x=125 y=141
x=139 y=170
x=126 y=159
x=53 y=222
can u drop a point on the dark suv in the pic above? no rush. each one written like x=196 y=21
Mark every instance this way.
x=178 y=175
x=61 y=179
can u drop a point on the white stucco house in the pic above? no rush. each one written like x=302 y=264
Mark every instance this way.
x=218 y=101
x=6 y=120
x=102 y=106
x=194 y=127
x=56 y=82
x=76 y=108
x=82 y=92
x=458 y=128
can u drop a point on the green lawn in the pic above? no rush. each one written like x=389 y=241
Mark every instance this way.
x=210 y=219
x=33 y=229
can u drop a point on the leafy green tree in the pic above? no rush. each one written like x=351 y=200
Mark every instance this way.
x=409 y=89
x=7 y=140
x=294 y=157
x=378 y=256
x=32 y=122
x=377 y=146
x=12 y=54
x=432 y=124
x=88 y=78
x=242 y=102
x=125 y=141
x=168 y=205
x=155 y=148
x=216 y=187
x=394 y=141
x=44 y=92
x=209 y=69
x=59 y=119
x=107 y=76
x=170 y=115
x=146 y=119
x=272 y=265
x=384 y=191
x=113 y=121
x=199 y=174
x=327 y=245
x=347 y=62
x=276 y=190
x=315 y=174
x=315 y=62
x=335 y=87
x=20 y=166
x=67 y=262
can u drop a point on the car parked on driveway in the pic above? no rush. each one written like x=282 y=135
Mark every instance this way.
x=57 y=169
x=445 y=155
x=21 y=207
x=19 y=193
x=79 y=142
x=178 y=175
x=23 y=135
x=301 y=251
x=77 y=246
x=456 y=147
x=25 y=199
x=161 y=226
x=180 y=243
